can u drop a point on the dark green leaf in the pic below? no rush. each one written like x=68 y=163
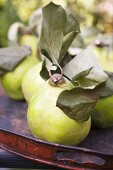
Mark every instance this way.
x=108 y=89
x=11 y=56
x=71 y=25
x=66 y=59
x=78 y=42
x=55 y=69
x=79 y=103
x=66 y=44
x=83 y=61
x=87 y=83
x=70 y=32
x=82 y=74
x=82 y=81
x=110 y=75
x=54 y=20
x=45 y=53
x=44 y=72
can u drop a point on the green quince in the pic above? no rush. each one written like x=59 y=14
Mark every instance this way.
x=32 y=82
x=12 y=81
x=47 y=122
x=32 y=41
x=102 y=117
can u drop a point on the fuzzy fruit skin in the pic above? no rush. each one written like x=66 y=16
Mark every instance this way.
x=103 y=114
x=32 y=82
x=48 y=122
x=12 y=81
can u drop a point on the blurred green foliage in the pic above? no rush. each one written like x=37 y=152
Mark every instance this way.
x=96 y=13
x=8 y=15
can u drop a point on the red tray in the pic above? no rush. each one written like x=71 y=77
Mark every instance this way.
x=95 y=152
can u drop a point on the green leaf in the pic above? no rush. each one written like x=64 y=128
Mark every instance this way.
x=78 y=103
x=66 y=59
x=45 y=54
x=82 y=74
x=66 y=44
x=80 y=80
x=71 y=25
x=108 y=89
x=44 y=72
x=86 y=83
x=58 y=31
x=83 y=61
x=54 y=20
x=110 y=75
x=11 y=56
x=78 y=42
x=70 y=32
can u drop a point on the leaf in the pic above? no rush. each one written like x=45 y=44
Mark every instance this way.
x=80 y=80
x=54 y=19
x=78 y=103
x=70 y=32
x=83 y=61
x=110 y=75
x=86 y=83
x=44 y=72
x=66 y=59
x=71 y=25
x=108 y=89
x=82 y=74
x=78 y=42
x=11 y=56
x=66 y=44
x=45 y=53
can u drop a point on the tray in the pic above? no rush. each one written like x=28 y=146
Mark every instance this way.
x=95 y=152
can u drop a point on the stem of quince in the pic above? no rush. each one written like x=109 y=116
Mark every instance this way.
x=56 y=75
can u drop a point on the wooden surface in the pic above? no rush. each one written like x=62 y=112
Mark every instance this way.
x=10 y=160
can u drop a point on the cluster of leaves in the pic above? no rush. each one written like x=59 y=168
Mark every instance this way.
x=84 y=71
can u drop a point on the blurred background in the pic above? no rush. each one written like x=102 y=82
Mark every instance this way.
x=95 y=15
x=95 y=18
